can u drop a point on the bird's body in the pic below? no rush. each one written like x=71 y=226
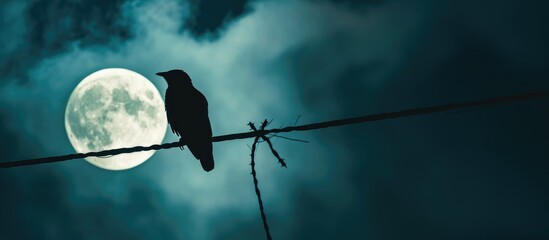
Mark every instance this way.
x=187 y=113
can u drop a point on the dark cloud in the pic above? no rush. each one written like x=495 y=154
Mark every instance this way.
x=468 y=174
x=51 y=27
x=475 y=174
x=54 y=24
x=209 y=17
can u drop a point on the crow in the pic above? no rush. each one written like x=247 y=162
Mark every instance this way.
x=187 y=112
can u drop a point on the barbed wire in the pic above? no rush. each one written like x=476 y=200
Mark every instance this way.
x=262 y=133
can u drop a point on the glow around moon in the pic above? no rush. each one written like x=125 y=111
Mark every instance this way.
x=114 y=108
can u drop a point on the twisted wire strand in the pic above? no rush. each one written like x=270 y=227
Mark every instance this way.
x=306 y=127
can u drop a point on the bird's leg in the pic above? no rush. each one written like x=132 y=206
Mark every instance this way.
x=181 y=140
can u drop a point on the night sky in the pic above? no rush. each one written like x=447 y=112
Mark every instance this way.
x=467 y=174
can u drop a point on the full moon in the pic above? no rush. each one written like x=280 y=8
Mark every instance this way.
x=115 y=108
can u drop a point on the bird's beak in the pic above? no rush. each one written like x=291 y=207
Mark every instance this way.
x=162 y=74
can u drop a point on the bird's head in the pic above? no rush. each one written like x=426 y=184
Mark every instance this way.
x=175 y=76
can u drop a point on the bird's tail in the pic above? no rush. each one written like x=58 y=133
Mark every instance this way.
x=207 y=162
x=204 y=153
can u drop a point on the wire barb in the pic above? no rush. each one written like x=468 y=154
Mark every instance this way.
x=266 y=139
x=292 y=139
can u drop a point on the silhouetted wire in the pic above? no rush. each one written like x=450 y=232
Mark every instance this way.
x=307 y=127
x=256 y=183
x=287 y=138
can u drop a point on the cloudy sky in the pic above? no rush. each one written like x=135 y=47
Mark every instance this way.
x=475 y=174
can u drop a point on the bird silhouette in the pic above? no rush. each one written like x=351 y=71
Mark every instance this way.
x=187 y=112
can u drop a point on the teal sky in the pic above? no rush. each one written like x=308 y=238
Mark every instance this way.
x=478 y=174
